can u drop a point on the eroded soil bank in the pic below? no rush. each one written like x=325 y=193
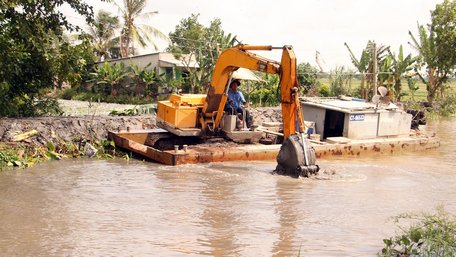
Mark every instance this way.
x=90 y=128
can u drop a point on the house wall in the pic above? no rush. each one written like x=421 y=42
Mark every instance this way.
x=161 y=63
x=141 y=61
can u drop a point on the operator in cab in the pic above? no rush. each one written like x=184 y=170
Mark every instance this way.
x=235 y=102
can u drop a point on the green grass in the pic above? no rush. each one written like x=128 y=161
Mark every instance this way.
x=419 y=95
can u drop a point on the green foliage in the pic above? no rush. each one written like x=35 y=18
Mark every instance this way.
x=10 y=158
x=25 y=156
x=134 y=32
x=109 y=77
x=307 y=76
x=192 y=40
x=443 y=24
x=265 y=93
x=107 y=149
x=338 y=82
x=445 y=106
x=33 y=55
x=73 y=63
x=126 y=112
x=400 y=65
x=102 y=33
x=413 y=87
x=430 y=234
x=324 y=91
x=144 y=80
x=433 y=45
x=365 y=65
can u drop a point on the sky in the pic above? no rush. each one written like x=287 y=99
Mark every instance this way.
x=307 y=25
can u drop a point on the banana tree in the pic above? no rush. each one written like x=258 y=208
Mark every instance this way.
x=400 y=66
x=362 y=65
x=110 y=76
x=142 y=78
x=365 y=65
x=429 y=58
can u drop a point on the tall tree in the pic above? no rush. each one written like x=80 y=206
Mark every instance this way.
x=435 y=45
x=132 y=32
x=307 y=76
x=187 y=45
x=102 y=33
x=32 y=53
x=192 y=40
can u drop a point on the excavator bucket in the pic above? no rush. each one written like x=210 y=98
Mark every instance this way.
x=296 y=158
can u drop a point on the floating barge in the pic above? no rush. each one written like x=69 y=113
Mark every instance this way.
x=137 y=142
x=336 y=128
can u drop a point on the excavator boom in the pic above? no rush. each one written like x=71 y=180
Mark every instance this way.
x=296 y=157
x=238 y=57
x=204 y=114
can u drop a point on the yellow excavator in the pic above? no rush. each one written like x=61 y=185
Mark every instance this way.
x=199 y=115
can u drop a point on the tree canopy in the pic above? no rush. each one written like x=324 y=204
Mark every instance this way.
x=435 y=45
x=194 y=40
x=34 y=54
x=132 y=31
x=102 y=33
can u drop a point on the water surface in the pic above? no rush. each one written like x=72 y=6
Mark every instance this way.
x=119 y=208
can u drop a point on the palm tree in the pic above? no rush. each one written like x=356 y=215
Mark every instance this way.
x=132 y=32
x=102 y=33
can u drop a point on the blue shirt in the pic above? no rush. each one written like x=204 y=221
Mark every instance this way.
x=236 y=97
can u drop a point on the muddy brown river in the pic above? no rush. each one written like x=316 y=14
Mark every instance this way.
x=120 y=208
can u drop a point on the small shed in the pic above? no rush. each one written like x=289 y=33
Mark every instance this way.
x=355 y=119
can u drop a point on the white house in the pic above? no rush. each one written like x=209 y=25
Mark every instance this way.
x=161 y=63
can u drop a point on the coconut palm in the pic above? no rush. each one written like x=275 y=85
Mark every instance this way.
x=132 y=31
x=102 y=33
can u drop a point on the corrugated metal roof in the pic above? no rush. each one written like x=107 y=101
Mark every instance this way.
x=352 y=105
x=185 y=62
x=243 y=73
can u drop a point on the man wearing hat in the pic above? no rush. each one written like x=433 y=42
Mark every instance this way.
x=235 y=101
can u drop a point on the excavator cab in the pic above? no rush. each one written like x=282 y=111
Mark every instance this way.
x=204 y=115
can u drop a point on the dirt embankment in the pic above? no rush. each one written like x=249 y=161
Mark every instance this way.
x=66 y=129
x=76 y=128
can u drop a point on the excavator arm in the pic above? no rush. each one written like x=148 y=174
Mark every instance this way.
x=237 y=57
x=194 y=115
x=296 y=157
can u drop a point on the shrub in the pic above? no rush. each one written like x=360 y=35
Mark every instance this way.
x=324 y=91
x=430 y=234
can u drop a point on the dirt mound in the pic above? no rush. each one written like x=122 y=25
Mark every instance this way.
x=75 y=128
x=58 y=129
x=266 y=114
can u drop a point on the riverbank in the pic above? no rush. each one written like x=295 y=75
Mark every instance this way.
x=89 y=121
x=39 y=131
x=27 y=140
